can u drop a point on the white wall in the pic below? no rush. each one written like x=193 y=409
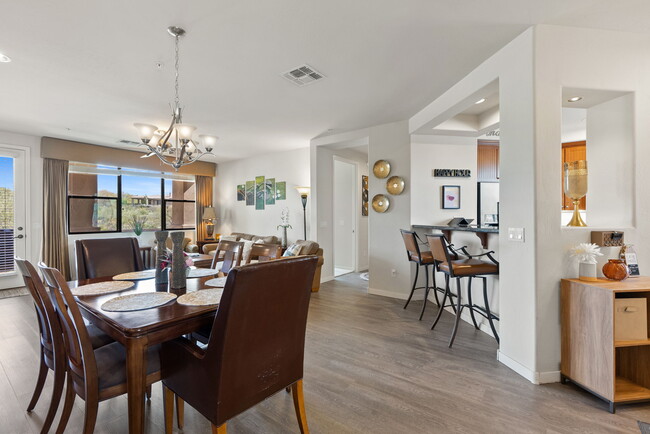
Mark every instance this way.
x=235 y=216
x=390 y=142
x=34 y=230
x=345 y=214
x=426 y=208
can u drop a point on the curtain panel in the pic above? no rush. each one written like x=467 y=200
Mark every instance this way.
x=55 y=213
x=203 y=198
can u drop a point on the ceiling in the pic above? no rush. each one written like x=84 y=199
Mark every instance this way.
x=85 y=70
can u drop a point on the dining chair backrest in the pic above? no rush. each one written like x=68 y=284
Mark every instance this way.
x=264 y=252
x=79 y=352
x=107 y=257
x=231 y=253
x=439 y=248
x=411 y=244
x=51 y=338
x=257 y=343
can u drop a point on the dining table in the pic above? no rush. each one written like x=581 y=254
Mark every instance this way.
x=139 y=329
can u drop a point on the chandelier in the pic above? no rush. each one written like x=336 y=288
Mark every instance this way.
x=175 y=146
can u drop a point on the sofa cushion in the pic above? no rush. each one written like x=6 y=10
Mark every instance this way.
x=308 y=247
x=231 y=237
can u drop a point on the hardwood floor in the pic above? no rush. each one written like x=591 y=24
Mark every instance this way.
x=370 y=367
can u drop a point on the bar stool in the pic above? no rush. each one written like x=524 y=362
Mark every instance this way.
x=458 y=269
x=420 y=258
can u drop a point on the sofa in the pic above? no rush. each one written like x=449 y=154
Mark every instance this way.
x=307 y=248
x=188 y=246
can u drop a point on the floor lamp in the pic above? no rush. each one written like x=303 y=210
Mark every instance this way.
x=304 y=192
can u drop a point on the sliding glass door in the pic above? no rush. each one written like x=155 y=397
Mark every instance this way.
x=13 y=237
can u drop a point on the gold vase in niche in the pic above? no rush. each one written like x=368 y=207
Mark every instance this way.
x=575 y=187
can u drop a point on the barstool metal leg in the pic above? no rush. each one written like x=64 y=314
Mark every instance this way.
x=459 y=310
x=487 y=309
x=444 y=300
x=469 y=301
x=451 y=298
x=435 y=285
x=426 y=290
x=415 y=281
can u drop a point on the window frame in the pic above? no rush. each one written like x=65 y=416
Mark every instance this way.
x=164 y=207
x=118 y=200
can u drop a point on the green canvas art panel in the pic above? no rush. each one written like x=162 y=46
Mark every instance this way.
x=250 y=193
x=281 y=190
x=269 y=188
x=259 y=192
x=241 y=192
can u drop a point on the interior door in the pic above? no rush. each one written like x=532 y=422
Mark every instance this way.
x=13 y=237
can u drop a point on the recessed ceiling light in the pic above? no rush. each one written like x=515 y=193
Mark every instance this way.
x=574 y=99
x=480 y=101
x=4 y=59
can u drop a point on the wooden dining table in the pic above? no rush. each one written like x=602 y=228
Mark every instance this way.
x=139 y=329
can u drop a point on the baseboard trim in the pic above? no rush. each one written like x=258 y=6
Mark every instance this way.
x=326 y=279
x=548 y=377
x=517 y=367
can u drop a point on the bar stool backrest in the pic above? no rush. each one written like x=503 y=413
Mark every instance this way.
x=439 y=249
x=411 y=244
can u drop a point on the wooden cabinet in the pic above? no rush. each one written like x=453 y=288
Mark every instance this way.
x=615 y=371
x=487 y=161
x=573 y=151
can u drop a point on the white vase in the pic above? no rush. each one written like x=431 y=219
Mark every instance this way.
x=587 y=272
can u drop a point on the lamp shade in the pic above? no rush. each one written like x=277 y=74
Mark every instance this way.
x=145 y=131
x=185 y=131
x=303 y=191
x=209 y=214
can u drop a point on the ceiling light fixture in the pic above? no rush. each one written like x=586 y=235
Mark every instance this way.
x=481 y=101
x=574 y=99
x=175 y=146
x=4 y=58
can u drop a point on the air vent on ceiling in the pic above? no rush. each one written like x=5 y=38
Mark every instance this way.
x=128 y=142
x=303 y=75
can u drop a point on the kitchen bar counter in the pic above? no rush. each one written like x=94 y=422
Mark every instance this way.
x=480 y=231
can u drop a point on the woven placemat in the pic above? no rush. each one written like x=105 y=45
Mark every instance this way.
x=142 y=301
x=218 y=282
x=202 y=272
x=204 y=297
x=102 y=288
x=136 y=275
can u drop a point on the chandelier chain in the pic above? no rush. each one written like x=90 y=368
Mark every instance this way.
x=176 y=67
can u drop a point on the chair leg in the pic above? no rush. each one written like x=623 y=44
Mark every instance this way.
x=57 y=391
x=451 y=299
x=67 y=406
x=415 y=281
x=487 y=309
x=90 y=416
x=299 y=405
x=40 y=381
x=435 y=285
x=444 y=300
x=219 y=429
x=168 y=398
x=426 y=291
x=459 y=310
x=180 y=412
x=469 y=301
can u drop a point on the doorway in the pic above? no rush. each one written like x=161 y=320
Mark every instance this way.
x=13 y=213
x=344 y=209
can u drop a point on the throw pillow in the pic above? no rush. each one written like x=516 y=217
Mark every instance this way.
x=293 y=250
x=246 y=254
x=259 y=241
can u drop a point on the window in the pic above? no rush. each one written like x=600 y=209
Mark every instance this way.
x=106 y=199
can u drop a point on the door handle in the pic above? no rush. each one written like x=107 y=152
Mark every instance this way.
x=20 y=237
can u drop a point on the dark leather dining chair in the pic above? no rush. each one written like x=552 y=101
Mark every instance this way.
x=94 y=375
x=52 y=353
x=229 y=253
x=256 y=346
x=264 y=252
x=107 y=257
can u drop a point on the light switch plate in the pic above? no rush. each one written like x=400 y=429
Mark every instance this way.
x=516 y=234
